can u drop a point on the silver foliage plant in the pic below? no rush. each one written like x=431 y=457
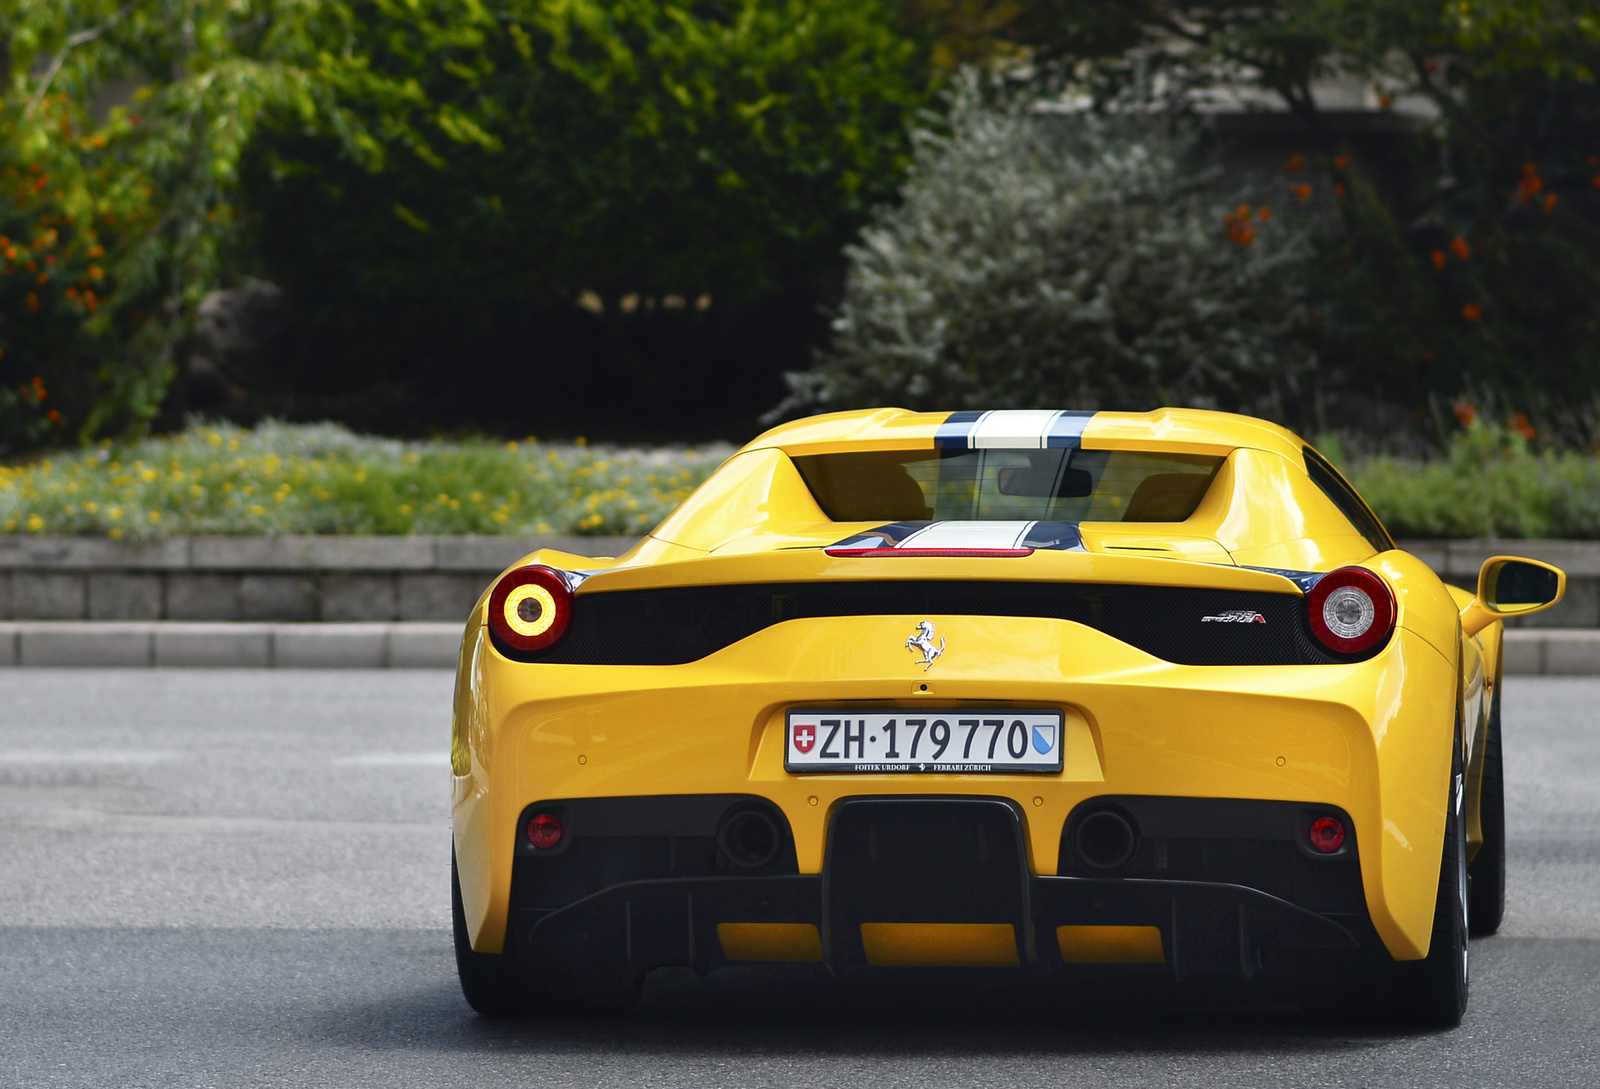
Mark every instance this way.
x=1041 y=257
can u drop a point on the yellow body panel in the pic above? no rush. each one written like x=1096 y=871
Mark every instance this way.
x=1371 y=737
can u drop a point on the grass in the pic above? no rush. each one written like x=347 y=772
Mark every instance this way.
x=281 y=479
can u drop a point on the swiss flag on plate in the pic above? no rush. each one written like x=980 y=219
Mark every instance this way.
x=805 y=737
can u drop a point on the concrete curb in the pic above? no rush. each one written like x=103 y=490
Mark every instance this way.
x=142 y=644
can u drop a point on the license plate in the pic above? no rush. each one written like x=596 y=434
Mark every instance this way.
x=921 y=740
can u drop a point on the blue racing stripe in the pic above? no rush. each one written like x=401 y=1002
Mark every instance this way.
x=956 y=431
x=1066 y=432
x=1053 y=536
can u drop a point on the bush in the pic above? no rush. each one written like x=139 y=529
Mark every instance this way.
x=1041 y=259
x=306 y=479
x=1488 y=484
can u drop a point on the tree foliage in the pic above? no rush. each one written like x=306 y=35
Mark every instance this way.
x=1041 y=259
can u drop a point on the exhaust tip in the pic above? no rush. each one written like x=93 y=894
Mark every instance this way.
x=1105 y=840
x=749 y=838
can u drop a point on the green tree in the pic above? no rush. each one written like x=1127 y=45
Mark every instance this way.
x=128 y=120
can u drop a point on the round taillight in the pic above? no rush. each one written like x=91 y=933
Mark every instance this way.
x=544 y=831
x=1326 y=835
x=530 y=608
x=1351 y=610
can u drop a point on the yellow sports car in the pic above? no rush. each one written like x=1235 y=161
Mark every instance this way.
x=1022 y=689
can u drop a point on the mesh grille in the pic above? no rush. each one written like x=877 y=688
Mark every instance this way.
x=682 y=624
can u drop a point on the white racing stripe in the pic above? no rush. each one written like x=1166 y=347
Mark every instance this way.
x=968 y=535
x=1016 y=429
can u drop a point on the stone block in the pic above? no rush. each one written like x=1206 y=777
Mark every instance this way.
x=5 y=594
x=8 y=643
x=330 y=646
x=49 y=595
x=1572 y=653
x=124 y=595
x=214 y=646
x=202 y=596
x=277 y=597
x=1524 y=652
x=439 y=597
x=424 y=646
x=370 y=553
x=79 y=553
x=357 y=597
x=91 y=645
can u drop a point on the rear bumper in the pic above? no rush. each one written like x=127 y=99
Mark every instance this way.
x=953 y=864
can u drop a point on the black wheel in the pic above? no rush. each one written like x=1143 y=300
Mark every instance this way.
x=1432 y=992
x=1486 y=874
x=488 y=980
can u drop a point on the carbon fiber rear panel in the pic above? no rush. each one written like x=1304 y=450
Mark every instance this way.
x=677 y=625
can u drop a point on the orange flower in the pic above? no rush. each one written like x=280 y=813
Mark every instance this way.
x=1439 y=259
x=1550 y=203
x=1459 y=247
x=1472 y=312
x=1531 y=184
x=1342 y=161
x=1385 y=100
x=33 y=302
x=53 y=416
x=1519 y=423
x=1596 y=180
x=1464 y=412
x=1263 y=213
x=1302 y=192
x=1296 y=163
x=1338 y=190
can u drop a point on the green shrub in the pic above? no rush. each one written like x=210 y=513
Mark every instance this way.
x=1488 y=484
x=1042 y=259
x=321 y=478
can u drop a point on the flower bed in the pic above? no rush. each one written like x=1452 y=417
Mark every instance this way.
x=304 y=479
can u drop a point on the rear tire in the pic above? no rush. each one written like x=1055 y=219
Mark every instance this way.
x=1486 y=874
x=1432 y=992
x=488 y=980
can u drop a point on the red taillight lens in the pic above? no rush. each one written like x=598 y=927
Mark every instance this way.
x=1326 y=835
x=1351 y=610
x=545 y=831
x=530 y=608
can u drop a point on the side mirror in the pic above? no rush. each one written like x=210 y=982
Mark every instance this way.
x=1512 y=586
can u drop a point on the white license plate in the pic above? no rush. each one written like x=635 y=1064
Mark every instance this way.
x=921 y=740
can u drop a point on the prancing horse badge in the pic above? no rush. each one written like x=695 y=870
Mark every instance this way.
x=922 y=640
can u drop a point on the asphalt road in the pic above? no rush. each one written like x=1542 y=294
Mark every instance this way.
x=234 y=879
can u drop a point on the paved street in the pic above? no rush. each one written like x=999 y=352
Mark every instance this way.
x=240 y=878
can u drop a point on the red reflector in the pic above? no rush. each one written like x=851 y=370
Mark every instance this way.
x=545 y=831
x=929 y=551
x=1326 y=835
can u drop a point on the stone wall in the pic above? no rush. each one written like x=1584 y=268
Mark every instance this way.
x=295 y=579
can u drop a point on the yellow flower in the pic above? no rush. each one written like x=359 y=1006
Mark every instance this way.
x=115 y=513
x=35 y=523
x=405 y=508
x=154 y=516
x=90 y=508
x=116 y=534
x=257 y=509
x=214 y=439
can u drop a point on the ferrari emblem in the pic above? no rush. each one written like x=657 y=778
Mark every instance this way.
x=805 y=737
x=1235 y=616
x=922 y=640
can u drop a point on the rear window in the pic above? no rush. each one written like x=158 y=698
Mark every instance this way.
x=1008 y=485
